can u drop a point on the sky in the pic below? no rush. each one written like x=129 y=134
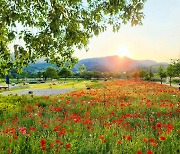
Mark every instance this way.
x=157 y=39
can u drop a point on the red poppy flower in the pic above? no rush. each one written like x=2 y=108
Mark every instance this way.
x=129 y=138
x=51 y=145
x=68 y=146
x=43 y=148
x=43 y=142
x=159 y=125
x=15 y=137
x=149 y=152
x=162 y=138
x=145 y=140
x=57 y=140
x=8 y=150
x=138 y=152
x=101 y=136
x=71 y=131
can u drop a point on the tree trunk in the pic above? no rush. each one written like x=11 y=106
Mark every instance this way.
x=170 y=81
x=161 y=80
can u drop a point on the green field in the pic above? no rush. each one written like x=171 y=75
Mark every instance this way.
x=112 y=117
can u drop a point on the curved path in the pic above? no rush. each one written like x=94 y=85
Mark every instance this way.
x=40 y=92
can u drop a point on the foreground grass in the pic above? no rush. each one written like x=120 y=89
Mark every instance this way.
x=119 y=117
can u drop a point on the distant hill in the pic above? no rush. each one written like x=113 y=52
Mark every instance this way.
x=104 y=64
x=117 y=64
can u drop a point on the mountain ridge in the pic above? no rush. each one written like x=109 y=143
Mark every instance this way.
x=104 y=64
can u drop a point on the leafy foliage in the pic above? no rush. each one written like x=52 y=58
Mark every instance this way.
x=150 y=73
x=82 y=68
x=51 y=72
x=161 y=72
x=65 y=73
x=53 y=29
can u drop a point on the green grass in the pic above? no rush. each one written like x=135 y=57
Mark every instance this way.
x=76 y=84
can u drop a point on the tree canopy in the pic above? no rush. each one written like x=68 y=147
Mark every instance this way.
x=64 y=72
x=55 y=28
x=51 y=72
x=161 y=72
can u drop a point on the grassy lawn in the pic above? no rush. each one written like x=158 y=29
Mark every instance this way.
x=76 y=84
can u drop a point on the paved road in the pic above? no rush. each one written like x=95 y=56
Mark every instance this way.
x=173 y=85
x=41 y=92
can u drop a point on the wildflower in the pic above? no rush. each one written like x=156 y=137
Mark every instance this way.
x=15 y=137
x=45 y=126
x=145 y=140
x=154 y=144
x=12 y=131
x=8 y=150
x=162 y=138
x=71 y=131
x=22 y=130
x=119 y=142
x=61 y=143
x=115 y=134
x=68 y=146
x=101 y=136
x=129 y=138
x=57 y=140
x=61 y=132
x=43 y=148
x=154 y=127
x=51 y=145
x=159 y=131
x=32 y=128
x=159 y=125
x=149 y=152
x=57 y=150
x=43 y=142
x=138 y=152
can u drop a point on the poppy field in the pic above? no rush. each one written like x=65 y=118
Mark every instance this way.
x=123 y=116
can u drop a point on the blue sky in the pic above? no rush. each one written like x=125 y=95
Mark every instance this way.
x=157 y=39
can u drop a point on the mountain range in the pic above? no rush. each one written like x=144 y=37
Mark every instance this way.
x=103 y=64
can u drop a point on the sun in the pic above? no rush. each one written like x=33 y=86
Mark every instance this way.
x=123 y=52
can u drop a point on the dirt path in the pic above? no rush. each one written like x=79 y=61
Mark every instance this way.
x=40 y=92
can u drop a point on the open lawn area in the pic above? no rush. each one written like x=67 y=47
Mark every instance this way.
x=119 y=117
x=52 y=88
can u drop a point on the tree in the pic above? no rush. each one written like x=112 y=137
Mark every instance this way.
x=170 y=72
x=97 y=74
x=143 y=74
x=127 y=75
x=136 y=75
x=13 y=73
x=87 y=75
x=176 y=64
x=55 y=28
x=150 y=73
x=51 y=72
x=39 y=74
x=64 y=72
x=161 y=72
x=82 y=68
